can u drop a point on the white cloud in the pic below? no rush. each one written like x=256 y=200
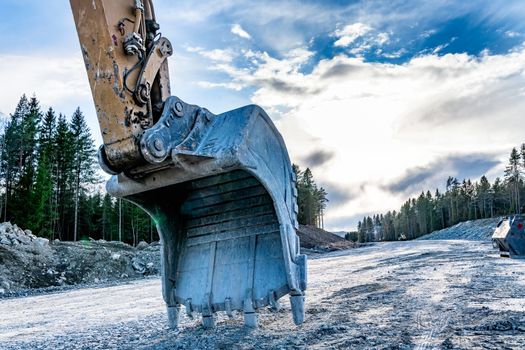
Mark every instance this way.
x=428 y=33
x=194 y=49
x=57 y=81
x=395 y=54
x=237 y=30
x=382 y=38
x=52 y=79
x=512 y=34
x=382 y=119
x=350 y=33
x=210 y=85
x=220 y=55
x=439 y=48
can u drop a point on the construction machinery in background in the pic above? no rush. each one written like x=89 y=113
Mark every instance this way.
x=219 y=187
x=509 y=236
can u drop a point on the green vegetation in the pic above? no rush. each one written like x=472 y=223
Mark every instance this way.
x=461 y=201
x=48 y=171
x=311 y=199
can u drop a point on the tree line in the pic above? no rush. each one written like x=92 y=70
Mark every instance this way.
x=50 y=180
x=461 y=201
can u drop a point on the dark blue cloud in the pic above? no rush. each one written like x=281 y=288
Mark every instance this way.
x=318 y=158
x=339 y=195
x=421 y=178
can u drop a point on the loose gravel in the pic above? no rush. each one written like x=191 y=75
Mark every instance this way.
x=398 y=295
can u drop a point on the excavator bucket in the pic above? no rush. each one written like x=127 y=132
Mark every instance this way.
x=509 y=237
x=220 y=188
x=226 y=210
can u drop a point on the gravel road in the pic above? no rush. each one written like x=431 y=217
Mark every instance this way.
x=399 y=295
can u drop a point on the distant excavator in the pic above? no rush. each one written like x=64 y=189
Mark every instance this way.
x=509 y=237
x=220 y=188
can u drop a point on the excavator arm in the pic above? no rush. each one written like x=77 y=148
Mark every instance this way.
x=127 y=66
x=219 y=187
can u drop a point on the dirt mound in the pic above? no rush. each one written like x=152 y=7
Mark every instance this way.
x=30 y=262
x=472 y=230
x=317 y=239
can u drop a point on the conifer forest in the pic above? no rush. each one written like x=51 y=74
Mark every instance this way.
x=461 y=201
x=51 y=182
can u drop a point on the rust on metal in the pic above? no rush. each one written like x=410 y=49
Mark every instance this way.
x=103 y=26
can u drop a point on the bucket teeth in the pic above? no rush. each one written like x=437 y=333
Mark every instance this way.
x=173 y=316
x=189 y=310
x=250 y=316
x=250 y=319
x=297 y=303
x=228 y=307
x=274 y=303
x=208 y=319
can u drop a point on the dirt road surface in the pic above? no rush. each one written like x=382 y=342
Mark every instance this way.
x=402 y=295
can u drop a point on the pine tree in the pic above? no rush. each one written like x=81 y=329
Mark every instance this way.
x=11 y=157
x=523 y=155
x=361 y=231
x=452 y=194
x=106 y=219
x=84 y=160
x=64 y=156
x=320 y=200
x=45 y=186
x=23 y=205
x=484 y=192
x=513 y=177
x=307 y=182
x=43 y=216
x=370 y=229
x=311 y=200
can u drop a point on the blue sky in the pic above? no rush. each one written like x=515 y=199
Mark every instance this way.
x=382 y=99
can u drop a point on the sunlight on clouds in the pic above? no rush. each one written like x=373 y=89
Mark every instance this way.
x=57 y=81
x=368 y=39
x=382 y=119
x=221 y=55
x=231 y=86
x=52 y=79
x=350 y=33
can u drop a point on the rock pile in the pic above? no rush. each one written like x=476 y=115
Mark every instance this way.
x=472 y=230
x=31 y=262
x=13 y=236
x=28 y=262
